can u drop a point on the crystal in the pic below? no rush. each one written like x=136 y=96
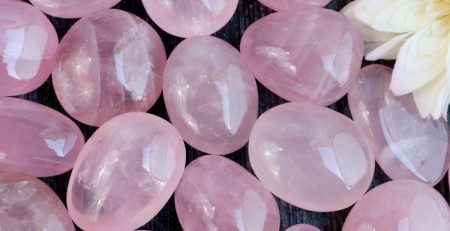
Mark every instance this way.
x=289 y=4
x=302 y=227
x=72 y=8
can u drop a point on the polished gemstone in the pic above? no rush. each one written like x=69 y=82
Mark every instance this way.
x=289 y=4
x=109 y=63
x=311 y=157
x=126 y=173
x=405 y=145
x=28 y=43
x=215 y=193
x=307 y=54
x=210 y=95
x=72 y=8
x=302 y=227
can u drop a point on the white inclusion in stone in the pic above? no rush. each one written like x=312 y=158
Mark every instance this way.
x=15 y=40
x=57 y=145
x=254 y=211
x=277 y=57
x=330 y=162
x=214 y=6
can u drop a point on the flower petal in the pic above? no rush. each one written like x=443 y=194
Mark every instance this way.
x=431 y=98
x=389 y=49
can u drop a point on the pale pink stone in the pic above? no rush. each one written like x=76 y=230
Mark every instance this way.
x=307 y=54
x=36 y=140
x=189 y=18
x=210 y=95
x=126 y=173
x=289 y=4
x=26 y=203
x=400 y=205
x=405 y=145
x=302 y=227
x=73 y=8
x=215 y=193
x=28 y=43
x=109 y=63
x=311 y=156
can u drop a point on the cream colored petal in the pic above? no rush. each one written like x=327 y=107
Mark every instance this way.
x=366 y=10
x=431 y=97
x=389 y=49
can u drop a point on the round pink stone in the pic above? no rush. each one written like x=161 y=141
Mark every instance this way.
x=189 y=18
x=28 y=43
x=36 y=140
x=126 y=173
x=26 y=203
x=400 y=205
x=289 y=4
x=215 y=193
x=311 y=156
x=406 y=146
x=109 y=63
x=307 y=54
x=72 y=8
x=302 y=227
x=210 y=95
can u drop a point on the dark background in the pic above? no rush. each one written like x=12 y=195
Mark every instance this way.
x=247 y=12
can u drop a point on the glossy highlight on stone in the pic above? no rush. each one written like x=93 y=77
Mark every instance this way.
x=405 y=145
x=36 y=140
x=28 y=43
x=210 y=96
x=305 y=54
x=72 y=8
x=126 y=173
x=311 y=157
x=302 y=227
x=279 y=5
x=109 y=63
x=215 y=193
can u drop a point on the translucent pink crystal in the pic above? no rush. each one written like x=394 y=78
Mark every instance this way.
x=307 y=54
x=109 y=63
x=289 y=4
x=400 y=205
x=72 y=8
x=217 y=194
x=210 y=95
x=311 y=157
x=125 y=173
x=302 y=227
x=405 y=145
x=28 y=43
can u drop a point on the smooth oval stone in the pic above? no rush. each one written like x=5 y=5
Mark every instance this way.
x=308 y=54
x=279 y=5
x=109 y=63
x=72 y=8
x=302 y=227
x=210 y=96
x=36 y=140
x=26 y=203
x=311 y=157
x=28 y=43
x=215 y=193
x=126 y=173
x=400 y=205
x=189 y=18
x=406 y=146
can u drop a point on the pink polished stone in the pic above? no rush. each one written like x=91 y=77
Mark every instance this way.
x=72 y=8
x=302 y=227
x=26 y=203
x=289 y=4
x=189 y=18
x=211 y=97
x=400 y=205
x=215 y=193
x=125 y=173
x=109 y=63
x=36 y=140
x=307 y=54
x=311 y=157
x=28 y=43
x=405 y=145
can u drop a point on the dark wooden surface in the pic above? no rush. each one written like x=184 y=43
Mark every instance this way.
x=248 y=11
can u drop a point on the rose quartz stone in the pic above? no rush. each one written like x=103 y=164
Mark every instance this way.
x=26 y=203
x=126 y=173
x=307 y=54
x=211 y=97
x=72 y=8
x=215 y=193
x=28 y=43
x=400 y=205
x=406 y=146
x=311 y=157
x=109 y=63
x=289 y=4
x=36 y=140
x=302 y=227
x=190 y=18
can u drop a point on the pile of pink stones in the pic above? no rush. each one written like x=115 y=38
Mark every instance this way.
x=110 y=68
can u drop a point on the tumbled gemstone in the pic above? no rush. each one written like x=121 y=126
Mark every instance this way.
x=28 y=43
x=72 y=8
x=289 y=4
x=307 y=54
x=26 y=203
x=400 y=205
x=210 y=96
x=405 y=145
x=36 y=140
x=126 y=173
x=302 y=227
x=215 y=193
x=311 y=157
x=109 y=63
